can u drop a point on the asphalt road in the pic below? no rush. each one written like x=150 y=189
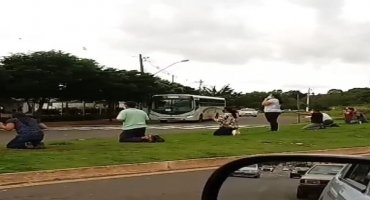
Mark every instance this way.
x=167 y=128
x=179 y=186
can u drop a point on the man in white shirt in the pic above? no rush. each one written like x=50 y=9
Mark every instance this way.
x=328 y=121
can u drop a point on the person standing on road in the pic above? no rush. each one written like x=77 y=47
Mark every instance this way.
x=272 y=110
x=29 y=132
x=134 y=125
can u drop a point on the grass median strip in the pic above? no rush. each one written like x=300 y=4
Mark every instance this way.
x=96 y=152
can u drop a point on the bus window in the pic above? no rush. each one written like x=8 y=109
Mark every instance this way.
x=197 y=104
x=161 y=104
x=212 y=102
x=165 y=105
x=185 y=105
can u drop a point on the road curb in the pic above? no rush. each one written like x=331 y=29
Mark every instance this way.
x=36 y=177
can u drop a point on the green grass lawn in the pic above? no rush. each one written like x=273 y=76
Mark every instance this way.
x=94 y=152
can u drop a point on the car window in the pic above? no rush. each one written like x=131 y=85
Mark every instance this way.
x=359 y=176
x=255 y=166
x=325 y=169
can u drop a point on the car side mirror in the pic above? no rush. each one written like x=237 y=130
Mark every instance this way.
x=231 y=179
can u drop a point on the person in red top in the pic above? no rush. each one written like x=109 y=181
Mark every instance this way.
x=350 y=116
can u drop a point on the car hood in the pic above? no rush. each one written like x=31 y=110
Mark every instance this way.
x=317 y=177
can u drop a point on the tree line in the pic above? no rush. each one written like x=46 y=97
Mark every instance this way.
x=41 y=76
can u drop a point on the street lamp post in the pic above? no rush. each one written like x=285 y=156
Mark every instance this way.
x=170 y=66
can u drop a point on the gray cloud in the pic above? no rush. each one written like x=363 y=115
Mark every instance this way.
x=196 y=34
x=334 y=38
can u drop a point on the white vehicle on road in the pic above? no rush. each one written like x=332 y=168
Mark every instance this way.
x=268 y=168
x=349 y=184
x=317 y=178
x=185 y=107
x=286 y=169
x=252 y=171
x=248 y=112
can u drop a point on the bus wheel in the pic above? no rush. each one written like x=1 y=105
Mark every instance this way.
x=163 y=121
x=200 y=118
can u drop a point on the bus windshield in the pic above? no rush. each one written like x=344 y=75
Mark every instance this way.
x=172 y=104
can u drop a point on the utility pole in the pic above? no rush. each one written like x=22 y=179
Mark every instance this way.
x=298 y=108
x=173 y=78
x=141 y=63
x=308 y=100
x=200 y=84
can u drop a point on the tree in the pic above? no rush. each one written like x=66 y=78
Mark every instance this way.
x=84 y=82
x=212 y=91
x=44 y=75
x=4 y=79
x=335 y=91
x=37 y=76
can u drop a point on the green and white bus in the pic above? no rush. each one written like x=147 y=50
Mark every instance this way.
x=185 y=107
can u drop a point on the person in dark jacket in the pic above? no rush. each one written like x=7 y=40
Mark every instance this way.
x=317 y=121
x=29 y=132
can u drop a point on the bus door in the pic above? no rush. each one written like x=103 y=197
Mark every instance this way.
x=196 y=103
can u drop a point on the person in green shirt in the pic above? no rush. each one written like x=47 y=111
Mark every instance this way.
x=134 y=125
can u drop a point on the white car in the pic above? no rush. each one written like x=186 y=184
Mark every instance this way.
x=248 y=112
x=285 y=169
x=268 y=168
x=349 y=184
x=317 y=178
x=252 y=171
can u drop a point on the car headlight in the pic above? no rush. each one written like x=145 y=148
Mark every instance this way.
x=294 y=171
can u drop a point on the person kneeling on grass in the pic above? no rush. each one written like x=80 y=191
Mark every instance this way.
x=228 y=123
x=317 y=121
x=351 y=116
x=29 y=132
x=328 y=121
x=134 y=125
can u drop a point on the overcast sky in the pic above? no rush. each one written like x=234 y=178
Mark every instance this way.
x=249 y=44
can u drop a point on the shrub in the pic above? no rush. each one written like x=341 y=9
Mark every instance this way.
x=57 y=118
x=73 y=111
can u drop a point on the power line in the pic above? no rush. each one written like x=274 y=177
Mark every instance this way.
x=169 y=74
